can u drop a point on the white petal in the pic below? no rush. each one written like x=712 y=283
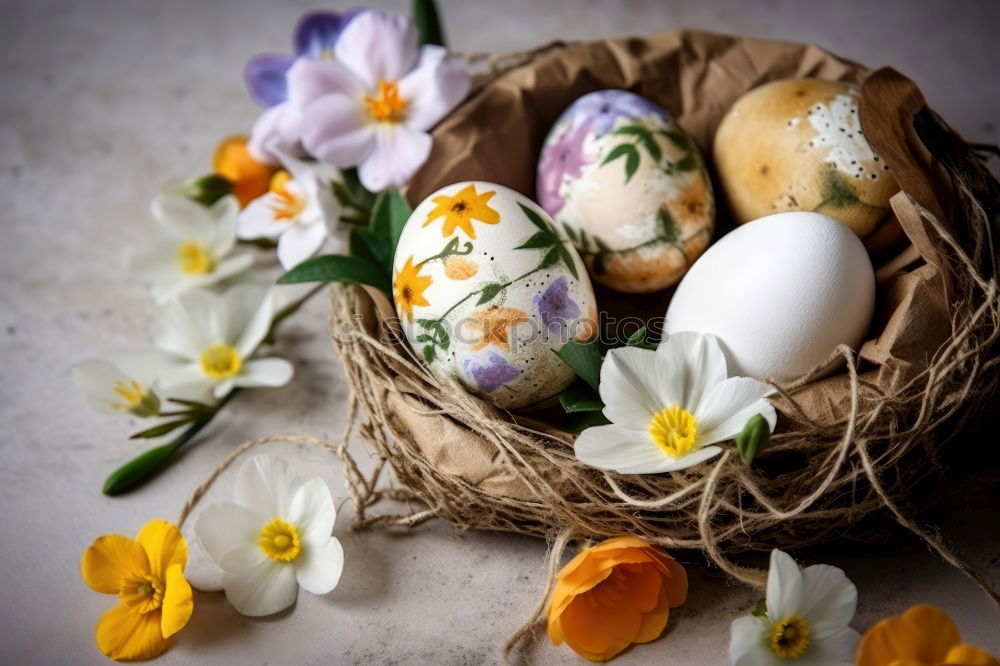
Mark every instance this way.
x=224 y=527
x=829 y=599
x=434 y=88
x=95 y=380
x=784 y=587
x=279 y=127
x=746 y=642
x=299 y=242
x=224 y=212
x=335 y=131
x=258 y=219
x=312 y=512
x=690 y=460
x=318 y=569
x=186 y=219
x=310 y=79
x=147 y=367
x=256 y=313
x=700 y=359
x=156 y=263
x=243 y=558
x=837 y=649
x=266 y=589
x=399 y=151
x=378 y=46
x=615 y=448
x=182 y=325
x=230 y=266
x=265 y=372
x=265 y=486
x=724 y=412
x=185 y=378
x=636 y=384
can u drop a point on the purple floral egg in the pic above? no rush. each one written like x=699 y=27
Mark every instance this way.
x=629 y=188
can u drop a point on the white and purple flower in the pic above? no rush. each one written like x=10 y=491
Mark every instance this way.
x=563 y=159
x=604 y=107
x=555 y=306
x=491 y=372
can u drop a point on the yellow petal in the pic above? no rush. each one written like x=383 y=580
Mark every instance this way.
x=923 y=634
x=641 y=586
x=592 y=628
x=164 y=546
x=969 y=655
x=126 y=635
x=677 y=580
x=178 y=602
x=655 y=621
x=938 y=634
x=111 y=558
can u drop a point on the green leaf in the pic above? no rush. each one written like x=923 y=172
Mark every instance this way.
x=688 y=163
x=162 y=429
x=260 y=243
x=580 y=397
x=138 y=469
x=363 y=244
x=389 y=215
x=668 y=227
x=551 y=258
x=338 y=268
x=679 y=139
x=362 y=197
x=425 y=15
x=645 y=137
x=571 y=233
x=755 y=436
x=535 y=218
x=631 y=155
x=760 y=608
x=638 y=339
x=429 y=353
x=538 y=240
x=567 y=259
x=585 y=360
x=583 y=420
x=490 y=291
x=209 y=189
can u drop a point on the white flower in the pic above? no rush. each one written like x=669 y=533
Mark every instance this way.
x=805 y=620
x=211 y=337
x=198 y=253
x=123 y=385
x=667 y=406
x=273 y=538
x=299 y=210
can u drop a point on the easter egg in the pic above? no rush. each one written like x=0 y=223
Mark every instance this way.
x=629 y=188
x=797 y=144
x=780 y=293
x=486 y=289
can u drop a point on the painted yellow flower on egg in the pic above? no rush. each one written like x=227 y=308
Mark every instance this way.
x=460 y=210
x=408 y=289
x=147 y=574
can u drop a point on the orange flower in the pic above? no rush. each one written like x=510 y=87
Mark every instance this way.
x=460 y=210
x=614 y=594
x=249 y=177
x=923 y=636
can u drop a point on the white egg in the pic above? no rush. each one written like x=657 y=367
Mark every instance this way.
x=780 y=293
x=486 y=289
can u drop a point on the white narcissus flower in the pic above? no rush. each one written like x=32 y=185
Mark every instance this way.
x=274 y=537
x=122 y=385
x=805 y=621
x=299 y=210
x=667 y=407
x=212 y=336
x=198 y=255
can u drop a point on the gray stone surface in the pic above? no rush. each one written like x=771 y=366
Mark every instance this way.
x=104 y=101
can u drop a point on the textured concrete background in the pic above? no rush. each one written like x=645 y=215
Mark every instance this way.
x=103 y=101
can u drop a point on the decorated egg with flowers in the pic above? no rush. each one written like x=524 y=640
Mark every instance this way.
x=629 y=188
x=486 y=289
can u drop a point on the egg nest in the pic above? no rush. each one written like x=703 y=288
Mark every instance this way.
x=849 y=450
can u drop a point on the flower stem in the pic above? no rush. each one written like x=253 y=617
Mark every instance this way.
x=148 y=464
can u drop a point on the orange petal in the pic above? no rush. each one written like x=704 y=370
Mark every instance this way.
x=597 y=629
x=924 y=634
x=969 y=655
x=887 y=641
x=249 y=177
x=676 y=581
x=111 y=558
x=938 y=634
x=164 y=546
x=126 y=635
x=178 y=602
x=655 y=621
x=589 y=573
x=641 y=586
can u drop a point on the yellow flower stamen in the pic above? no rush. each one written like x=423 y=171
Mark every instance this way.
x=221 y=361
x=143 y=594
x=280 y=541
x=386 y=106
x=194 y=259
x=285 y=204
x=673 y=430
x=135 y=398
x=790 y=637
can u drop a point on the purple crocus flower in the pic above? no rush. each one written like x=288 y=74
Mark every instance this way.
x=490 y=373
x=564 y=158
x=315 y=35
x=603 y=107
x=556 y=307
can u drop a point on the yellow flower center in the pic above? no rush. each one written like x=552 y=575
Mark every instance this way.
x=193 y=259
x=386 y=106
x=135 y=398
x=673 y=430
x=790 y=637
x=285 y=204
x=144 y=594
x=221 y=361
x=280 y=541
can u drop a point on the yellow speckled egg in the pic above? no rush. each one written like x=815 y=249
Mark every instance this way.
x=629 y=188
x=486 y=288
x=797 y=145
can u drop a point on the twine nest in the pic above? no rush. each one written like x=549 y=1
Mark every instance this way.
x=837 y=456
